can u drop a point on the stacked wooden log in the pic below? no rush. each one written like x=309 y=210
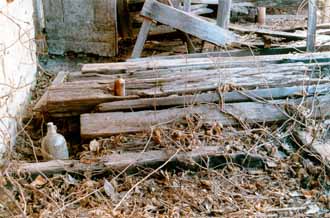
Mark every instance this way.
x=229 y=90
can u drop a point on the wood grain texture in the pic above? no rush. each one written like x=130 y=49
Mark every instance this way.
x=83 y=95
x=312 y=21
x=146 y=64
x=223 y=14
x=229 y=97
x=141 y=39
x=107 y=124
x=187 y=23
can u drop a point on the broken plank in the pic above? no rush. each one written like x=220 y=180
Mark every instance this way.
x=129 y=160
x=108 y=124
x=187 y=23
x=229 y=97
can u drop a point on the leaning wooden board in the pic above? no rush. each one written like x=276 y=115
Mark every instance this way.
x=187 y=23
x=107 y=124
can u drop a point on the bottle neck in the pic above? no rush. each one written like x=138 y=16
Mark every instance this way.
x=51 y=130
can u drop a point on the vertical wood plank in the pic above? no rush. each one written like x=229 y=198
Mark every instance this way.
x=261 y=16
x=142 y=37
x=223 y=16
x=312 y=21
x=187 y=5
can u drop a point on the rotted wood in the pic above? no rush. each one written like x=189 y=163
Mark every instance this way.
x=83 y=96
x=229 y=97
x=108 y=124
x=207 y=156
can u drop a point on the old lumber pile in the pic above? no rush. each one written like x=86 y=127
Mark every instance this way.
x=228 y=90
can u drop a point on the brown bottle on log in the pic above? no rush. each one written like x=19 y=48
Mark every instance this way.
x=119 y=87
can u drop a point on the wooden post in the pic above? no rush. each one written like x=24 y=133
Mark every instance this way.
x=261 y=16
x=190 y=45
x=312 y=21
x=223 y=16
x=187 y=5
x=142 y=37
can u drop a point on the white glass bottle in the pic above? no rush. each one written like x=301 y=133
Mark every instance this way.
x=54 y=145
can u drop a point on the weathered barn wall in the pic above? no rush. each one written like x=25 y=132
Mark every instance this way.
x=87 y=26
x=17 y=65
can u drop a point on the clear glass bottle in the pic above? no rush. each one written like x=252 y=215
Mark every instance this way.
x=54 y=145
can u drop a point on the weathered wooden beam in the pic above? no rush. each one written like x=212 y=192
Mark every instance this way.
x=312 y=21
x=108 y=124
x=214 y=155
x=142 y=37
x=133 y=66
x=223 y=15
x=187 y=23
x=229 y=97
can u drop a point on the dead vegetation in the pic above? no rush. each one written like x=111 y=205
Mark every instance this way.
x=289 y=179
